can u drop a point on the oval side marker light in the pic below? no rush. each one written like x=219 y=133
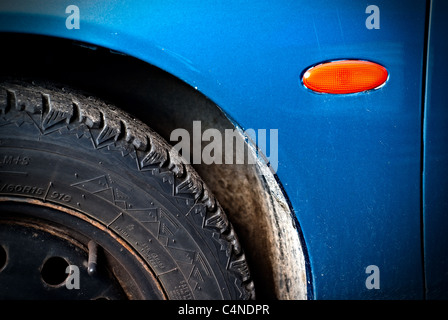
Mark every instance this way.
x=345 y=76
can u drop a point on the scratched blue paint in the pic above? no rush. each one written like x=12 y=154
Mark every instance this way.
x=350 y=165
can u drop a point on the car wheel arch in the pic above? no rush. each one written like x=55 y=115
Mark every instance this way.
x=251 y=194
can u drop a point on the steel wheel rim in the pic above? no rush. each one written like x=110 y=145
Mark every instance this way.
x=56 y=232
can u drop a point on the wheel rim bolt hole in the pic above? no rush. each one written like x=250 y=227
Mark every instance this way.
x=53 y=271
x=3 y=257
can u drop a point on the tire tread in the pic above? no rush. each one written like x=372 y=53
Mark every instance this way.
x=61 y=106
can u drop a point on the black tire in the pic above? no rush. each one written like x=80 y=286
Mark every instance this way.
x=68 y=151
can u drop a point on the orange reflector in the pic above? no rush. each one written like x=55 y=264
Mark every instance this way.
x=345 y=76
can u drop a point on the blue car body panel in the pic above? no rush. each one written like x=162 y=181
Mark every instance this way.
x=435 y=186
x=349 y=164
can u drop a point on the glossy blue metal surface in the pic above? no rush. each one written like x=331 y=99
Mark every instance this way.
x=436 y=156
x=350 y=165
